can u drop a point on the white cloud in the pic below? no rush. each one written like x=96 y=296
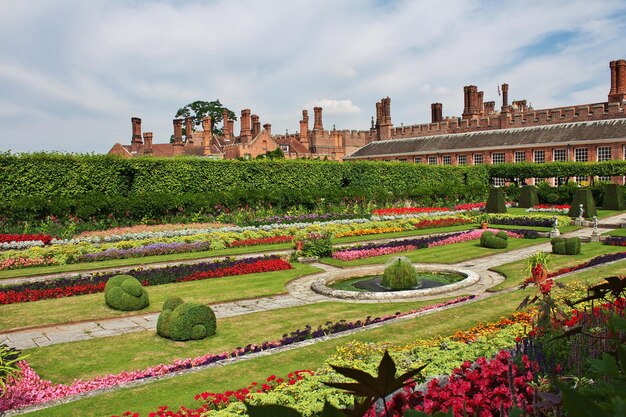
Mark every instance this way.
x=343 y=70
x=331 y=106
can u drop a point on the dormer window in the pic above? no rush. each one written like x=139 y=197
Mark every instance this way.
x=284 y=148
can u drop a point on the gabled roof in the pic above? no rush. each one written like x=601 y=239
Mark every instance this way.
x=565 y=133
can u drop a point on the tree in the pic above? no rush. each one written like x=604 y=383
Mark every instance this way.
x=199 y=109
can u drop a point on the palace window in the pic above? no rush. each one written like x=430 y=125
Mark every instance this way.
x=446 y=160
x=604 y=153
x=559 y=155
x=497 y=158
x=284 y=148
x=461 y=159
x=498 y=182
x=432 y=160
x=519 y=156
x=539 y=157
x=417 y=159
x=581 y=155
x=402 y=160
x=478 y=159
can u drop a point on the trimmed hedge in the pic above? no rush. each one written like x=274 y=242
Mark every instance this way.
x=495 y=202
x=565 y=246
x=125 y=293
x=557 y=169
x=613 y=197
x=528 y=197
x=497 y=241
x=182 y=321
x=582 y=196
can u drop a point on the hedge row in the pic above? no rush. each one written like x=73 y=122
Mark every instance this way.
x=557 y=169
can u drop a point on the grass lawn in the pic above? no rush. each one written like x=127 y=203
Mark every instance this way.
x=602 y=214
x=117 y=263
x=616 y=232
x=515 y=274
x=86 y=359
x=181 y=390
x=447 y=254
x=537 y=228
x=92 y=306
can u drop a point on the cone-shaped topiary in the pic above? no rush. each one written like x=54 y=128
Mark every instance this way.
x=495 y=202
x=400 y=275
x=613 y=197
x=528 y=197
x=123 y=292
x=582 y=196
x=182 y=321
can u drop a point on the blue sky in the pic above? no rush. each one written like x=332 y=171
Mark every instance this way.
x=73 y=73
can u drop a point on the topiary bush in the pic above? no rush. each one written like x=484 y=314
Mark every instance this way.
x=123 y=292
x=502 y=235
x=565 y=246
x=583 y=196
x=182 y=321
x=613 y=197
x=528 y=197
x=400 y=275
x=489 y=240
x=495 y=201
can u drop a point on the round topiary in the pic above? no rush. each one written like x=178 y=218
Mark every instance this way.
x=484 y=236
x=494 y=242
x=502 y=235
x=123 y=292
x=186 y=321
x=572 y=246
x=400 y=275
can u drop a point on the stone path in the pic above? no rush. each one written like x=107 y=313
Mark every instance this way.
x=299 y=293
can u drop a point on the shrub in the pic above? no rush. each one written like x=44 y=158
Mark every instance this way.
x=317 y=245
x=563 y=246
x=584 y=197
x=494 y=242
x=613 y=197
x=123 y=292
x=182 y=321
x=528 y=197
x=502 y=235
x=483 y=237
x=400 y=275
x=495 y=202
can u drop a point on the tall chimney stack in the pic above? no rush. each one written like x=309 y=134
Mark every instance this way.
x=304 y=128
x=317 y=121
x=226 y=130
x=618 y=81
x=207 y=135
x=256 y=126
x=268 y=128
x=246 y=133
x=136 y=139
x=147 y=139
x=505 y=95
x=436 y=111
x=385 y=119
x=189 y=130
x=178 y=132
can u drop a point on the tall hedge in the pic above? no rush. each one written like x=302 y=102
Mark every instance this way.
x=613 y=197
x=528 y=197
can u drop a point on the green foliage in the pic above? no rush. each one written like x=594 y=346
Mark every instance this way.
x=317 y=245
x=483 y=237
x=523 y=171
x=495 y=202
x=400 y=275
x=275 y=154
x=123 y=292
x=528 y=197
x=182 y=321
x=582 y=196
x=613 y=197
x=9 y=358
x=502 y=235
x=494 y=242
x=565 y=246
x=199 y=109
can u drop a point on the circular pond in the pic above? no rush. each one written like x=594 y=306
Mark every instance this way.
x=360 y=284
x=425 y=279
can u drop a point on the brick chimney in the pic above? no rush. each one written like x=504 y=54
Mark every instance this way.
x=231 y=128
x=505 y=95
x=226 y=130
x=246 y=134
x=436 y=112
x=268 y=128
x=505 y=111
x=178 y=132
x=304 y=128
x=207 y=135
x=189 y=130
x=618 y=81
x=470 y=98
x=489 y=107
x=384 y=126
x=480 y=109
x=256 y=126
x=520 y=104
x=317 y=121
x=147 y=140
x=136 y=139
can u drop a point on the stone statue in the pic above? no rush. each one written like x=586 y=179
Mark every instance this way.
x=595 y=224
x=582 y=211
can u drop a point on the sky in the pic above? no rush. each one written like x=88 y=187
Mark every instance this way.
x=73 y=73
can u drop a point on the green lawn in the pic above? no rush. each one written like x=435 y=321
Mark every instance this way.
x=92 y=306
x=89 y=358
x=616 y=232
x=181 y=390
x=447 y=254
x=602 y=214
x=515 y=274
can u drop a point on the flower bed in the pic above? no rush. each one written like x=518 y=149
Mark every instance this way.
x=530 y=220
x=418 y=225
x=142 y=228
x=550 y=208
x=303 y=218
x=20 y=241
x=377 y=249
x=262 y=241
x=598 y=260
x=615 y=241
x=20 y=262
x=393 y=211
x=31 y=389
x=66 y=287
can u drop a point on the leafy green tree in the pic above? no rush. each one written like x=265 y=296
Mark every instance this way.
x=199 y=109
